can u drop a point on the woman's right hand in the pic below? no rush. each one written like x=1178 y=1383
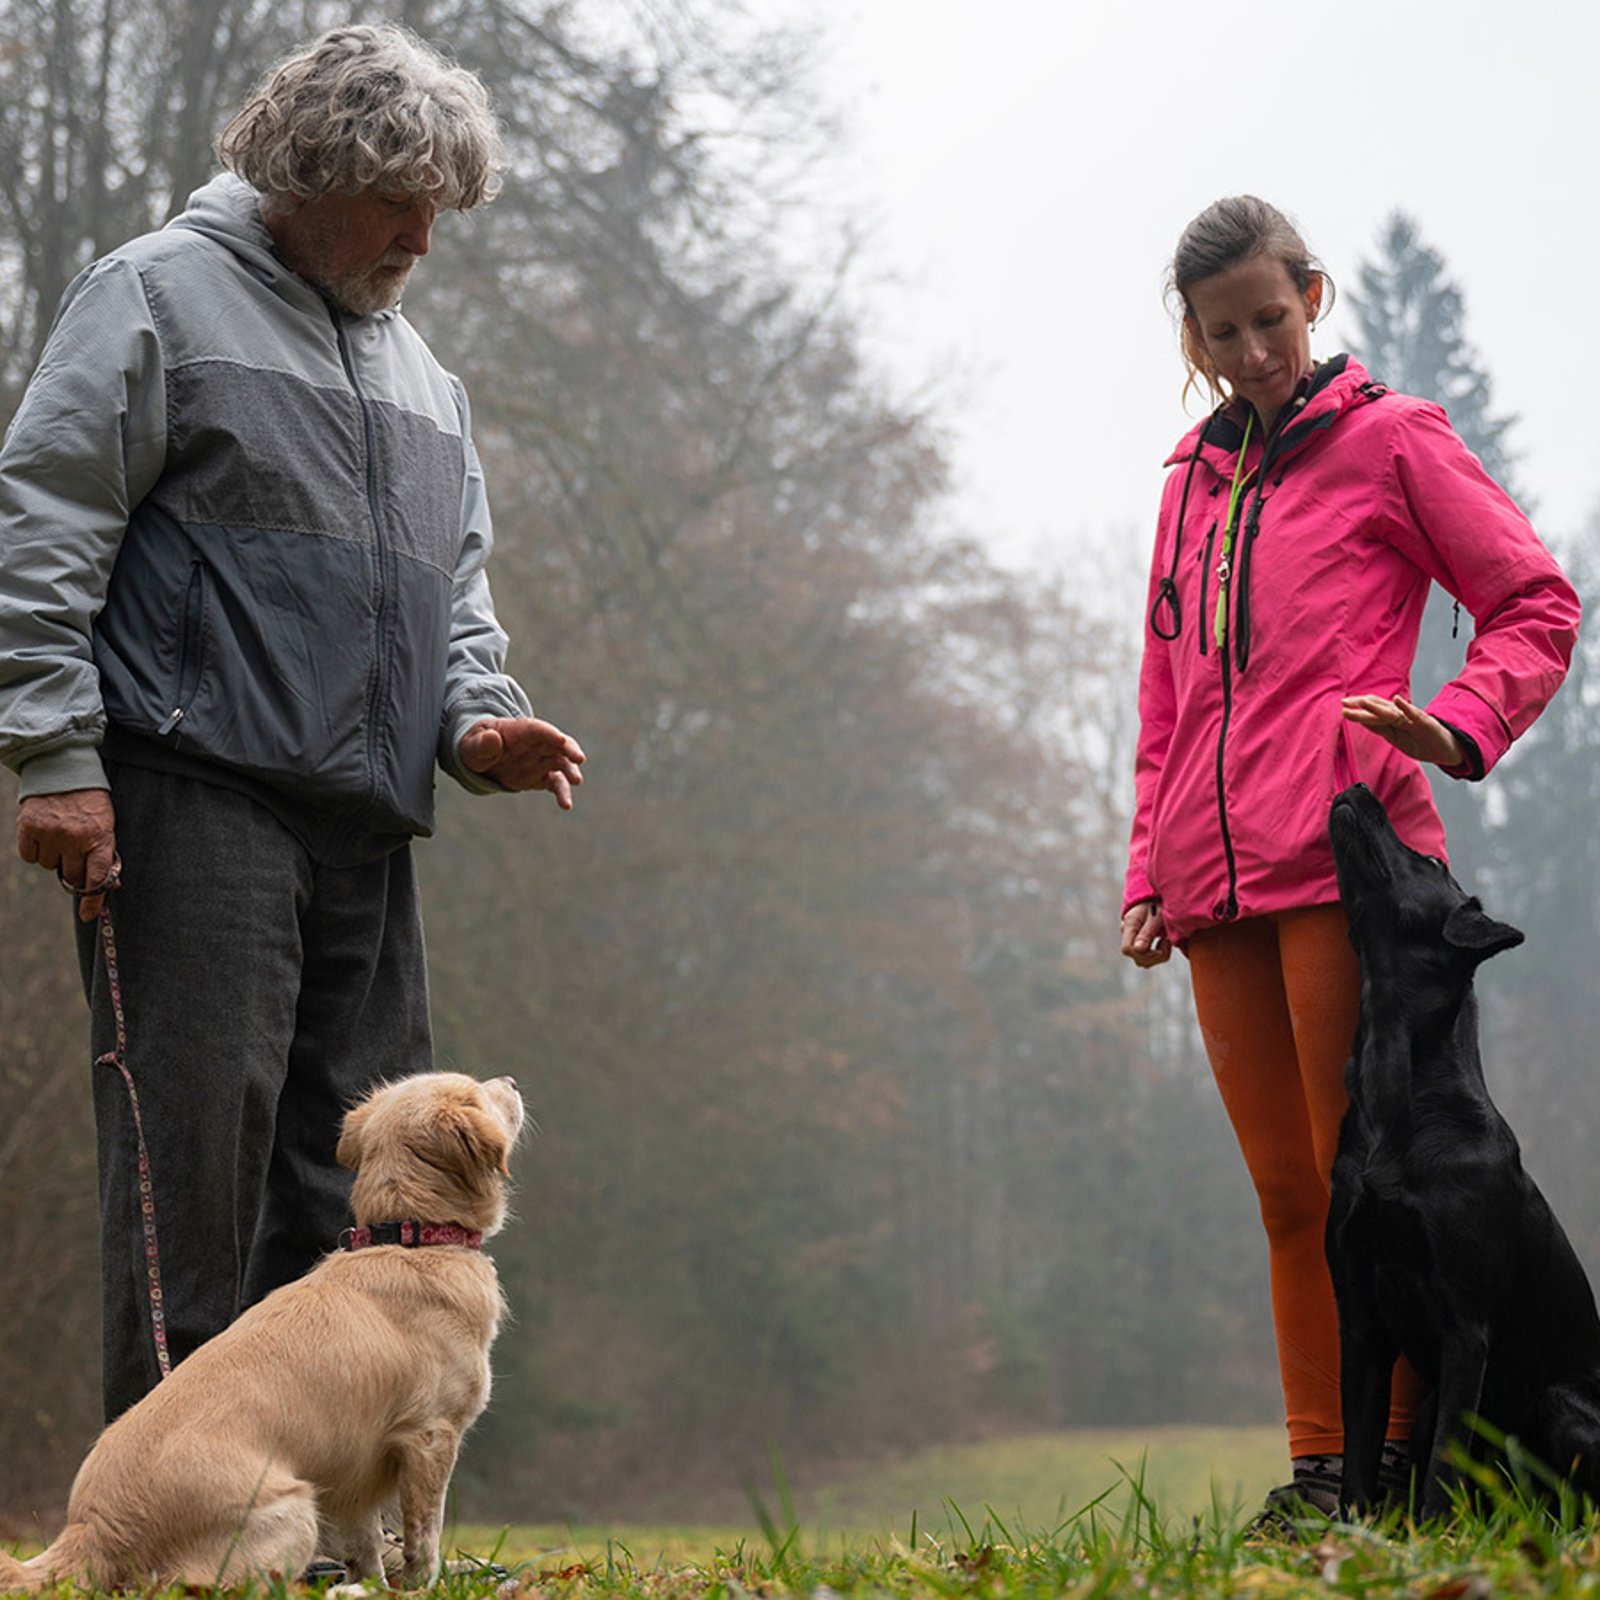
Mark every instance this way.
x=1410 y=729
x=1144 y=934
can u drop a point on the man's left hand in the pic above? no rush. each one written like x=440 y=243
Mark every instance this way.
x=524 y=753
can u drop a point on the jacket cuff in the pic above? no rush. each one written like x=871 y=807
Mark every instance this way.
x=1477 y=723
x=73 y=766
x=1470 y=767
x=450 y=752
x=1138 y=888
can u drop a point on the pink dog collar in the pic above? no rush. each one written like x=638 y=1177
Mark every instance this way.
x=410 y=1234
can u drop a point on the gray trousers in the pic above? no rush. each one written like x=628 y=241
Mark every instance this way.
x=262 y=993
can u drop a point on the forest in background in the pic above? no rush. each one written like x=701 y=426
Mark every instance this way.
x=855 y=1130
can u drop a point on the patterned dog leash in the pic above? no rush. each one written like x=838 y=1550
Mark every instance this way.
x=118 y=1058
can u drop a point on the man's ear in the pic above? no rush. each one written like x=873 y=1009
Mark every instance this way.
x=1469 y=927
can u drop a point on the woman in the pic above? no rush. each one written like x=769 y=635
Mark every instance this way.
x=1301 y=527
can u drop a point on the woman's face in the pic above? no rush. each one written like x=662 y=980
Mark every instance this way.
x=1255 y=327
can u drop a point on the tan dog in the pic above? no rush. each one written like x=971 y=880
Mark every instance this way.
x=350 y=1389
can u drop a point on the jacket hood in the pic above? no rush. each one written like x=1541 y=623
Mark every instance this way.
x=1322 y=397
x=1330 y=389
x=227 y=210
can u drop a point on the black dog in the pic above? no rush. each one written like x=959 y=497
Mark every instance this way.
x=1441 y=1247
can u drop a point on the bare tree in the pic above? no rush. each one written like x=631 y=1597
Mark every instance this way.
x=816 y=995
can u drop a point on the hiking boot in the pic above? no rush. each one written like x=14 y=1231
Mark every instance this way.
x=475 y=1567
x=325 y=1572
x=1394 y=1477
x=1312 y=1494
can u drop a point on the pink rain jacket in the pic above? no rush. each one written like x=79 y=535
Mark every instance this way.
x=1367 y=498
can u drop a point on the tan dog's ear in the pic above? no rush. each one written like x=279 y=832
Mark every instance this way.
x=483 y=1140
x=348 y=1153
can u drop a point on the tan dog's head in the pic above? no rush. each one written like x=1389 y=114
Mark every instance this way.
x=436 y=1147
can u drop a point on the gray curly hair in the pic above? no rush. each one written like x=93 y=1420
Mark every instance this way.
x=366 y=108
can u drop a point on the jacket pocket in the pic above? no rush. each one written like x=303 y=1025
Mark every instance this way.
x=1346 y=769
x=191 y=653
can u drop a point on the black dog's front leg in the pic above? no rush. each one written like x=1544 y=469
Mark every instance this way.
x=1366 y=1368
x=1367 y=1352
x=1463 y=1360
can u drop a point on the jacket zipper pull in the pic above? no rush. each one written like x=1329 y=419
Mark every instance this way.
x=1219 y=625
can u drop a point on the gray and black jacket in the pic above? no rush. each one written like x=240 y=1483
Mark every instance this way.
x=244 y=533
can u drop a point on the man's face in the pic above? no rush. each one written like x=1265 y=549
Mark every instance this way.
x=359 y=247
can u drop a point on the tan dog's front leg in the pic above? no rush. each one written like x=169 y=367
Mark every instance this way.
x=426 y=1461
x=362 y=1543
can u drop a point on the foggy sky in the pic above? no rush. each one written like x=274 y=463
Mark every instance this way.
x=1027 y=168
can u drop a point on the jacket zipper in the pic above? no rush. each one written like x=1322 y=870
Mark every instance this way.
x=379 y=683
x=191 y=643
x=1225 y=910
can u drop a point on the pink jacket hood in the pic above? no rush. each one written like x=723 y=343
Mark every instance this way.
x=1366 y=498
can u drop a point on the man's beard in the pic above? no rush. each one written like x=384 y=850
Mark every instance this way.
x=321 y=256
x=364 y=290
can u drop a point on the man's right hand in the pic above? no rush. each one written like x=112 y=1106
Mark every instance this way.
x=73 y=834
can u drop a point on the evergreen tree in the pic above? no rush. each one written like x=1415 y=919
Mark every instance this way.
x=1410 y=318
x=1519 y=840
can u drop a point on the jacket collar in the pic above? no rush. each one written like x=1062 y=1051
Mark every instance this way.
x=227 y=210
x=1330 y=389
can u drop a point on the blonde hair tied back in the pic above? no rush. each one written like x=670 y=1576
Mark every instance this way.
x=1224 y=234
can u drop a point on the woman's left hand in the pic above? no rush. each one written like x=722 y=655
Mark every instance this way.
x=1407 y=727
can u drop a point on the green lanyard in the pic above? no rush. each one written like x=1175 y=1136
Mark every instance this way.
x=1219 y=628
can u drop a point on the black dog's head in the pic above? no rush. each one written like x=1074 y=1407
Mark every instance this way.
x=1404 y=907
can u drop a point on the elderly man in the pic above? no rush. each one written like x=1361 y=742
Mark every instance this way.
x=243 y=613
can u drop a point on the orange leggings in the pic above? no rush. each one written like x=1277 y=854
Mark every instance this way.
x=1277 y=999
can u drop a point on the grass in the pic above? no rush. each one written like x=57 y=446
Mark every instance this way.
x=1154 y=1516
x=1038 y=1480
x=1044 y=1479
x=1124 y=1545
x=1128 y=1538
x=1028 y=1480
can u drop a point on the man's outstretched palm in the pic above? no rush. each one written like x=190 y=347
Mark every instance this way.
x=524 y=753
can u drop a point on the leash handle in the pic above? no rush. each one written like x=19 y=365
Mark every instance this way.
x=147 y=1203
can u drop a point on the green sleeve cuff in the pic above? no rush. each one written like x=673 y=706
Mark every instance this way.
x=450 y=753
x=73 y=766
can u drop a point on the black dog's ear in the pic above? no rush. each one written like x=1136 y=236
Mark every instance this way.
x=1469 y=927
